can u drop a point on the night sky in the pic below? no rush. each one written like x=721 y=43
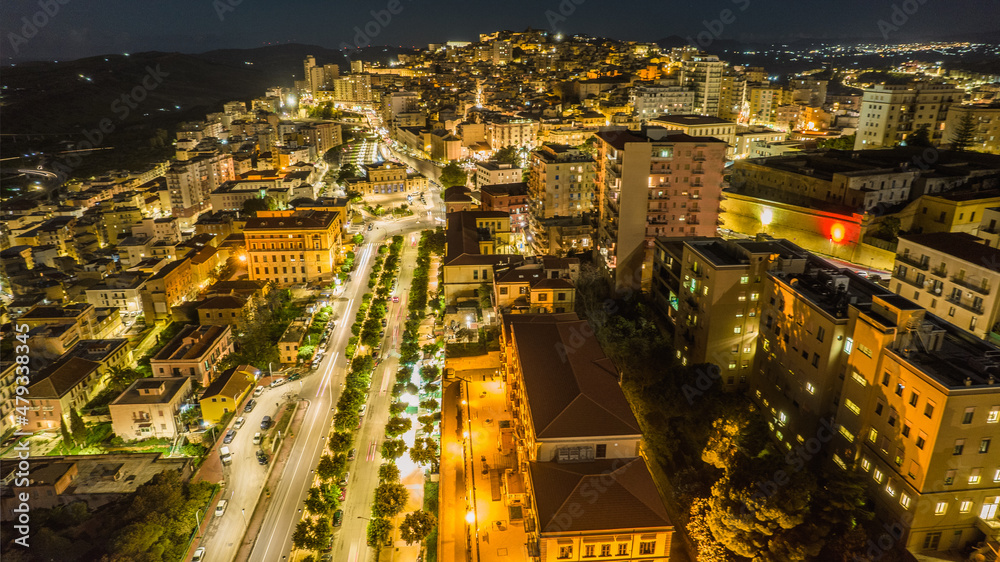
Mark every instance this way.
x=91 y=27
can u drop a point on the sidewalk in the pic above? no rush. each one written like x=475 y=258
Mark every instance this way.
x=452 y=534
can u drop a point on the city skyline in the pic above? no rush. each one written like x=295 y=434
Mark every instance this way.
x=38 y=31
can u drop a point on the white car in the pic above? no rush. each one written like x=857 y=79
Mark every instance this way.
x=258 y=391
x=256 y=438
x=220 y=507
x=199 y=554
x=277 y=382
x=239 y=422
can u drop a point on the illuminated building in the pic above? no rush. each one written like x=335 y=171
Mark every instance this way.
x=290 y=247
x=890 y=113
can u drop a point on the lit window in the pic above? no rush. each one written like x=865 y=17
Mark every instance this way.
x=877 y=476
x=866 y=464
x=810 y=388
x=782 y=418
x=754 y=296
x=994 y=415
x=974 y=476
x=738 y=330
x=940 y=508
x=904 y=500
x=744 y=279
x=847 y=434
x=873 y=435
x=949 y=477
x=848 y=345
x=965 y=506
x=890 y=489
x=858 y=378
x=852 y=406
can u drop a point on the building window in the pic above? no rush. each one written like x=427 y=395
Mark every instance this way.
x=623 y=550
x=588 y=551
x=877 y=476
x=738 y=329
x=605 y=550
x=647 y=547
x=904 y=500
x=984 y=445
x=810 y=388
x=975 y=475
x=949 y=477
x=913 y=398
x=967 y=417
x=890 y=489
x=959 y=445
x=921 y=440
x=931 y=540
x=873 y=435
x=854 y=408
x=965 y=506
x=820 y=333
x=929 y=409
x=602 y=451
x=866 y=464
x=940 y=508
x=565 y=552
x=994 y=415
x=744 y=279
x=858 y=378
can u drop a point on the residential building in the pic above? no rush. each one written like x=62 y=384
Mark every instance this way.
x=167 y=288
x=954 y=276
x=307 y=242
x=562 y=182
x=73 y=380
x=148 y=408
x=191 y=182
x=572 y=423
x=122 y=291
x=475 y=242
x=763 y=101
x=701 y=126
x=710 y=290
x=703 y=74
x=194 y=352
x=81 y=315
x=224 y=310
x=917 y=414
x=227 y=392
x=804 y=344
x=166 y=229
x=539 y=284
x=988 y=227
x=491 y=173
x=291 y=341
x=890 y=113
x=652 y=183
x=650 y=102
x=511 y=198
x=986 y=123
x=8 y=388
x=747 y=138
x=506 y=131
x=388 y=177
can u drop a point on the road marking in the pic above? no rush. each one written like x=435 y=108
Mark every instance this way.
x=371 y=452
x=353 y=556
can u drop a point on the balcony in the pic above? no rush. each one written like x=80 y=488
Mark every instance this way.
x=967 y=306
x=906 y=279
x=940 y=272
x=919 y=264
x=962 y=282
x=699 y=158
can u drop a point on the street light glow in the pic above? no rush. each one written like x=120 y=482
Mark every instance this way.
x=470 y=517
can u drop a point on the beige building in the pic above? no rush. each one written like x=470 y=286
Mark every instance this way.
x=191 y=182
x=148 y=408
x=890 y=113
x=475 y=242
x=388 y=177
x=986 y=119
x=954 y=276
x=194 y=352
x=290 y=247
x=710 y=290
x=491 y=173
x=701 y=126
x=653 y=183
x=561 y=182
x=703 y=74
x=572 y=425
x=544 y=284
x=918 y=412
x=227 y=392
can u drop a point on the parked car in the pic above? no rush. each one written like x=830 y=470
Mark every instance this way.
x=258 y=391
x=351 y=453
x=364 y=407
x=384 y=322
x=277 y=382
x=343 y=494
x=295 y=376
x=199 y=554
x=265 y=423
x=239 y=422
x=343 y=481
x=261 y=458
x=230 y=435
x=338 y=517
x=395 y=299
x=226 y=455
x=250 y=406
x=257 y=438
x=220 y=507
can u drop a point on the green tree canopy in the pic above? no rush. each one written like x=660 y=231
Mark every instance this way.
x=416 y=526
x=452 y=175
x=378 y=531
x=393 y=448
x=920 y=138
x=390 y=498
x=507 y=155
x=965 y=132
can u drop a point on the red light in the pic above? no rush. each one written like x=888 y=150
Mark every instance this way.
x=837 y=232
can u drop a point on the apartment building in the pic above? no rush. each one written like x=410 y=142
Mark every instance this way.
x=763 y=101
x=8 y=376
x=748 y=138
x=986 y=125
x=511 y=198
x=511 y=131
x=81 y=315
x=650 y=102
x=571 y=425
x=988 y=227
x=701 y=126
x=194 y=352
x=73 y=380
x=710 y=290
x=539 y=284
x=224 y=310
x=475 y=241
x=732 y=95
x=491 y=173
x=561 y=180
x=191 y=183
x=289 y=247
x=148 y=408
x=652 y=183
x=804 y=345
x=703 y=74
x=388 y=177
x=917 y=414
x=291 y=341
x=122 y=291
x=169 y=287
x=890 y=113
x=166 y=229
x=954 y=276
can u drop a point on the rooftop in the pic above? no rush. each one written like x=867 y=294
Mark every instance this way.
x=153 y=390
x=961 y=245
x=291 y=220
x=191 y=343
x=628 y=500
x=68 y=312
x=232 y=382
x=829 y=288
x=692 y=120
x=571 y=385
x=101 y=474
x=505 y=189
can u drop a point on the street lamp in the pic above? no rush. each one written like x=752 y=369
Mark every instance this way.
x=244 y=510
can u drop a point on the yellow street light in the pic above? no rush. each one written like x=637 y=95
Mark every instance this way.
x=470 y=517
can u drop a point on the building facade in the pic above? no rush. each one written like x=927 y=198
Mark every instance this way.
x=290 y=247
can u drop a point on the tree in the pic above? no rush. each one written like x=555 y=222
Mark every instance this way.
x=119 y=378
x=839 y=143
x=378 y=531
x=485 y=293
x=340 y=442
x=965 y=132
x=416 y=526
x=430 y=373
x=452 y=175
x=507 y=155
x=390 y=498
x=425 y=452
x=260 y=204
x=388 y=472
x=347 y=171
x=920 y=138
x=315 y=502
x=397 y=426
x=303 y=536
x=77 y=427
x=327 y=468
x=430 y=404
x=67 y=438
x=393 y=448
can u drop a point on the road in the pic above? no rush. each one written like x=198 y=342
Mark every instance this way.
x=321 y=390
